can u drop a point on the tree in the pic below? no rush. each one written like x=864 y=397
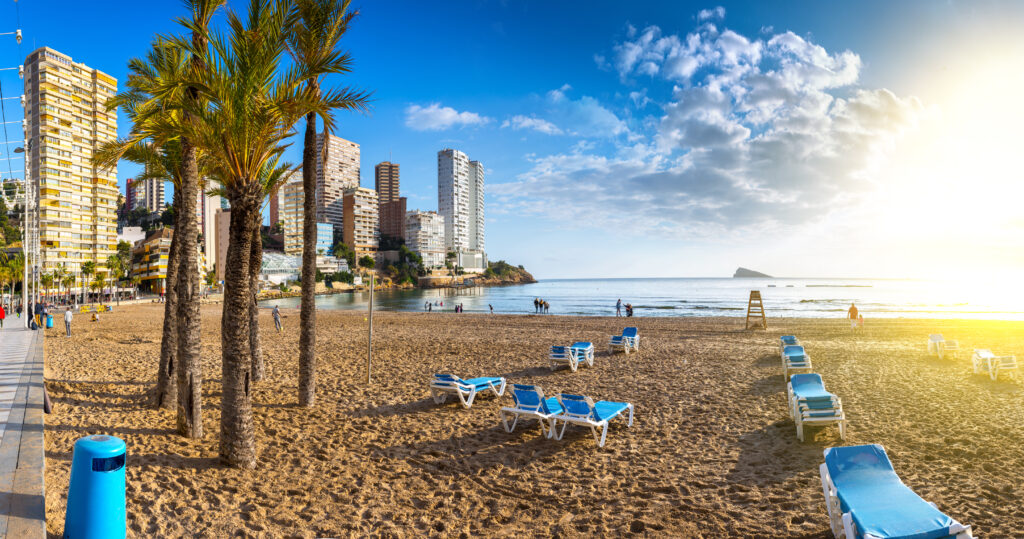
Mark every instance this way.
x=68 y=280
x=46 y=280
x=88 y=268
x=367 y=262
x=313 y=42
x=341 y=250
x=211 y=277
x=115 y=269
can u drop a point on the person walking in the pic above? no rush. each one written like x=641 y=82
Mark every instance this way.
x=852 y=314
x=276 y=313
x=67 y=321
x=3 y=314
x=618 y=307
x=18 y=310
x=492 y=308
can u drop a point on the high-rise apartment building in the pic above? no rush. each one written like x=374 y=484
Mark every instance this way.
x=291 y=213
x=361 y=230
x=66 y=120
x=424 y=235
x=460 y=200
x=391 y=205
x=149 y=194
x=385 y=181
x=206 y=213
x=337 y=169
x=129 y=194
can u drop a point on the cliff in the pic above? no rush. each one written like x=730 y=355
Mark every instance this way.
x=744 y=272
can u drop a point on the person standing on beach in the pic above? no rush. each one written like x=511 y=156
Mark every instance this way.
x=618 y=307
x=546 y=307
x=492 y=308
x=67 y=321
x=276 y=313
x=852 y=314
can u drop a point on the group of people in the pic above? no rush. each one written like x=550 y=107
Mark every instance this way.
x=618 y=308
x=429 y=307
x=856 y=319
x=540 y=306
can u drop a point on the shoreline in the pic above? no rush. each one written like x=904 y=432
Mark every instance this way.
x=712 y=451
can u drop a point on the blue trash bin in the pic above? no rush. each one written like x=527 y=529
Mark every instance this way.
x=96 y=501
x=49 y=321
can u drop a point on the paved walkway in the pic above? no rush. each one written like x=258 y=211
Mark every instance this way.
x=22 y=489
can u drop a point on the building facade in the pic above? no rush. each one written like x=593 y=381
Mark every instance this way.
x=337 y=169
x=149 y=194
x=385 y=181
x=149 y=260
x=66 y=120
x=206 y=213
x=360 y=229
x=424 y=235
x=324 y=238
x=290 y=211
x=391 y=205
x=129 y=194
x=460 y=200
x=222 y=227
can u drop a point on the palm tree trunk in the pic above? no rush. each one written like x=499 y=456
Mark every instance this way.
x=307 y=314
x=190 y=375
x=167 y=378
x=237 y=439
x=255 y=262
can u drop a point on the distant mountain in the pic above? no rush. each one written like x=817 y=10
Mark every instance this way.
x=744 y=272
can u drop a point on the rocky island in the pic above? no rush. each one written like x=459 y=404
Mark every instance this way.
x=747 y=273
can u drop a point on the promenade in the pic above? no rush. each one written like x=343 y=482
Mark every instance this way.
x=22 y=503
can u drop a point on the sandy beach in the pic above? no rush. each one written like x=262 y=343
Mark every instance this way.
x=712 y=452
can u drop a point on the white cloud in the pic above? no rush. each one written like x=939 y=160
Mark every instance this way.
x=706 y=14
x=434 y=117
x=518 y=122
x=752 y=137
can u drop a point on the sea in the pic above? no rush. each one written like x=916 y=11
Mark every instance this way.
x=810 y=298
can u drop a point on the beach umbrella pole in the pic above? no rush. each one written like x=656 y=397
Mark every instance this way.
x=369 y=340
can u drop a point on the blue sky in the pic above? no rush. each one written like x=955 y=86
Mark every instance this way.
x=650 y=138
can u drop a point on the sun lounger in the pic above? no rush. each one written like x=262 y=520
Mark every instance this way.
x=529 y=401
x=629 y=340
x=445 y=384
x=810 y=404
x=787 y=340
x=581 y=410
x=865 y=498
x=938 y=346
x=794 y=358
x=986 y=362
x=580 y=353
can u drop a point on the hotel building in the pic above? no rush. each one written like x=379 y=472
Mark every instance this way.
x=424 y=235
x=66 y=120
x=392 y=206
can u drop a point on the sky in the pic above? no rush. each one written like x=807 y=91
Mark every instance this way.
x=671 y=139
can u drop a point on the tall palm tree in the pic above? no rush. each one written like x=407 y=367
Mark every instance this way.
x=88 y=268
x=115 y=271
x=68 y=280
x=253 y=108
x=46 y=279
x=313 y=42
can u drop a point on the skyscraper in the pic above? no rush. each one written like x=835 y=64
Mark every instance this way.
x=66 y=120
x=290 y=211
x=129 y=194
x=391 y=205
x=424 y=235
x=361 y=231
x=149 y=194
x=460 y=200
x=337 y=169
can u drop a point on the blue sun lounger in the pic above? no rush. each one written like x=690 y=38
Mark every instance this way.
x=629 y=340
x=794 y=358
x=787 y=340
x=446 y=384
x=810 y=404
x=866 y=499
x=529 y=401
x=584 y=411
x=580 y=353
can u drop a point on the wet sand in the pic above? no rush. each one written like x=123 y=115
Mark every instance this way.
x=712 y=452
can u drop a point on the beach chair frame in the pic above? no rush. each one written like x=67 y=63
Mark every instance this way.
x=985 y=362
x=842 y=523
x=783 y=344
x=586 y=420
x=573 y=357
x=950 y=349
x=447 y=384
x=796 y=364
x=803 y=414
x=519 y=410
x=625 y=343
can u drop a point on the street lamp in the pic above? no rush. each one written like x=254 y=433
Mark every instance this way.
x=26 y=240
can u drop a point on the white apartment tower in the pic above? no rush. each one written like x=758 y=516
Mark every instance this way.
x=337 y=169
x=149 y=194
x=290 y=212
x=460 y=200
x=424 y=235
x=66 y=121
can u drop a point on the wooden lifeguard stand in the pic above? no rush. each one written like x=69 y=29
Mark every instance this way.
x=755 y=312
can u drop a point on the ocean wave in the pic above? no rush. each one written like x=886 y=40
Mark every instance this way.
x=839 y=286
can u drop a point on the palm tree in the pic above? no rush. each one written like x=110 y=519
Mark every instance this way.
x=252 y=110
x=313 y=42
x=88 y=268
x=68 y=280
x=46 y=280
x=115 y=267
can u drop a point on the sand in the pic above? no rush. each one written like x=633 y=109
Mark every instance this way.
x=712 y=453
